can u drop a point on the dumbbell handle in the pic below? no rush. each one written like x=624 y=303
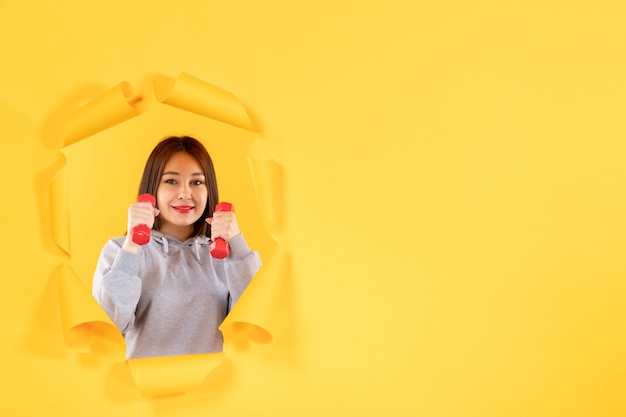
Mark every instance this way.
x=141 y=233
x=220 y=249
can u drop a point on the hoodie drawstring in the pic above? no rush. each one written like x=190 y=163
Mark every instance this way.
x=166 y=247
x=196 y=249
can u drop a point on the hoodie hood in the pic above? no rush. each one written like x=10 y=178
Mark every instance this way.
x=169 y=244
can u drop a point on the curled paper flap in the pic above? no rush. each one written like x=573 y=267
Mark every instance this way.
x=115 y=106
x=82 y=318
x=254 y=316
x=267 y=178
x=194 y=95
x=59 y=210
x=172 y=374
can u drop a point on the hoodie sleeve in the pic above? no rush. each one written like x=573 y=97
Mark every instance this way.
x=116 y=286
x=240 y=267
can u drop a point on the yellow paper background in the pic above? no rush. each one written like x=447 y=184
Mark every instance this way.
x=453 y=204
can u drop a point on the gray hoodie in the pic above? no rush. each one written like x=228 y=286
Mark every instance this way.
x=170 y=298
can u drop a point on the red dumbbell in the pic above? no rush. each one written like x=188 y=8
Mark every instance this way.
x=219 y=247
x=141 y=233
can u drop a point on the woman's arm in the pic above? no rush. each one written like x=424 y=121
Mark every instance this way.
x=240 y=267
x=116 y=285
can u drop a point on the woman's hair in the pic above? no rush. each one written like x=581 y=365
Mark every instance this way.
x=155 y=165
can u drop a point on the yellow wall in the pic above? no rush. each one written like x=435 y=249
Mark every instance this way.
x=453 y=201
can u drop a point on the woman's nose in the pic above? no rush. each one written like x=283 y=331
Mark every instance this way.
x=184 y=192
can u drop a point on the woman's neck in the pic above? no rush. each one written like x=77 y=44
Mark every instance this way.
x=179 y=233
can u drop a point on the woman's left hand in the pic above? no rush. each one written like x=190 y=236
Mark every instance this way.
x=224 y=225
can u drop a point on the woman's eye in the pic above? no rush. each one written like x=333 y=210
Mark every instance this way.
x=197 y=182
x=170 y=181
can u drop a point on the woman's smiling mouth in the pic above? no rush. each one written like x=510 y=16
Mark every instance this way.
x=183 y=209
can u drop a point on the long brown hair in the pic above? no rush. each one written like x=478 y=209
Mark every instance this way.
x=155 y=165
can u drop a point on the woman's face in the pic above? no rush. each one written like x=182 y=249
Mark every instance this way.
x=181 y=196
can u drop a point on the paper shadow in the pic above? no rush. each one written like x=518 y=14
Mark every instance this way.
x=45 y=336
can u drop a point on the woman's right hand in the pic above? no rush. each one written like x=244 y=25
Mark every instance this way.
x=138 y=213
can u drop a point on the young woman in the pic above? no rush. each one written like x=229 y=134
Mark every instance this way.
x=169 y=296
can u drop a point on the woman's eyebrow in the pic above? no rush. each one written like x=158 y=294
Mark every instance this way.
x=195 y=174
